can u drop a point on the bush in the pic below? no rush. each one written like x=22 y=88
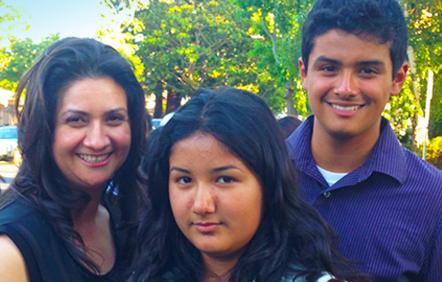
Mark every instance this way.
x=434 y=152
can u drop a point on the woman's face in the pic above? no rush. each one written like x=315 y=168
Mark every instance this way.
x=92 y=133
x=215 y=198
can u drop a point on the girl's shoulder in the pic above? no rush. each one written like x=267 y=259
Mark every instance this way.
x=325 y=277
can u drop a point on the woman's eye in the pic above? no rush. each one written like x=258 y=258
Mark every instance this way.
x=225 y=179
x=76 y=121
x=116 y=119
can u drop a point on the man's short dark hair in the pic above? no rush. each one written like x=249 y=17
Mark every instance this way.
x=382 y=20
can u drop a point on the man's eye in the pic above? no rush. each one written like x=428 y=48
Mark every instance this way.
x=328 y=69
x=368 y=71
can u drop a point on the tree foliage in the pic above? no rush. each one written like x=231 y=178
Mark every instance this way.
x=425 y=23
x=179 y=45
x=276 y=25
x=189 y=44
x=20 y=55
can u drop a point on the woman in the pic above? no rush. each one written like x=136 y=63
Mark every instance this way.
x=71 y=211
x=223 y=200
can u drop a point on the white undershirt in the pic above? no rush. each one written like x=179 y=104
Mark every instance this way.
x=330 y=176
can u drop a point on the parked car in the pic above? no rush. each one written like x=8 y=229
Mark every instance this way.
x=8 y=145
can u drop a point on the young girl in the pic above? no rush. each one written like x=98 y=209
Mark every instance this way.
x=223 y=200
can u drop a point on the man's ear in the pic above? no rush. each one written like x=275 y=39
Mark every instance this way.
x=399 y=79
x=302 y=70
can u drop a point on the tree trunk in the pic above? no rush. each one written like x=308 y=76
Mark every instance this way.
x=291 y=111
x=173 y=101
x=158 y=111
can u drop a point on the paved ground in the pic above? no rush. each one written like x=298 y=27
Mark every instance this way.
x=8 y=172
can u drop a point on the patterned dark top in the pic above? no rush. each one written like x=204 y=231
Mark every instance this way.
x=387 y=213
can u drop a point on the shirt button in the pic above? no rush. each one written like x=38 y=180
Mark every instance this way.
x=326 y=194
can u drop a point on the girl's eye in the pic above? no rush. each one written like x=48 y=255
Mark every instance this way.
x=225 y=179
x=184 y=180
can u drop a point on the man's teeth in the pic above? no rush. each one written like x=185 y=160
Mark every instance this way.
x=93 y=159
x=345 y=108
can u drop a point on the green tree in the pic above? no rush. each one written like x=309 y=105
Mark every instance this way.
x=255 y=44
x=20 y=55
x=425 y=53
x=424 y=23
x=189 y=44
x=276 y=24
x=8 y=17
x=120 y=33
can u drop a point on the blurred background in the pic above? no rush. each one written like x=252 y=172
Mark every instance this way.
x=177 y=46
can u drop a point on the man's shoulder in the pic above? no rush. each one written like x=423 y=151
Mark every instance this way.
x=298 y=143
x=422 y=170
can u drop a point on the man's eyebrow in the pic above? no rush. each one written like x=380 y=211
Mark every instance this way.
x=371 y=63
x=324 y=59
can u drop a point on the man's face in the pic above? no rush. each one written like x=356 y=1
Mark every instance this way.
x=349 y=81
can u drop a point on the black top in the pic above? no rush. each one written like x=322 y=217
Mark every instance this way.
x=45 y=255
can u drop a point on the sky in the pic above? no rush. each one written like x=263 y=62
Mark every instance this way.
x=80 y=18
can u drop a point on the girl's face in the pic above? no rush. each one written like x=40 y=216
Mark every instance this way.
x=215 y=198
x=92 y=132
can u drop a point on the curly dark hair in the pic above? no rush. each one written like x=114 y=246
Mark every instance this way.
x=39 y=179
x=291 y=238
x=382 y=20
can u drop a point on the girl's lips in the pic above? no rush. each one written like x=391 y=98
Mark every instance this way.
x=206 y=227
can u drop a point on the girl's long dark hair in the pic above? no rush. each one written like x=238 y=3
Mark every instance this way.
x=39 y=180
x=291 y=239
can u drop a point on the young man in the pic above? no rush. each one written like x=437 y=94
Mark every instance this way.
x=384 y=203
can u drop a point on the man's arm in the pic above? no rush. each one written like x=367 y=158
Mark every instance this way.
x=434 y=272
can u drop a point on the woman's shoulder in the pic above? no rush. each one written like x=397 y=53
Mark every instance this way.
x=17 y=211
x=12 y=263
x=25 y=226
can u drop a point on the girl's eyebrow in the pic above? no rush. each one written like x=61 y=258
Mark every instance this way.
x=178 y=169
x=215 y=170
x=224 y=168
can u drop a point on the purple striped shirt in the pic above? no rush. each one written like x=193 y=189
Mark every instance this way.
x=387 y=213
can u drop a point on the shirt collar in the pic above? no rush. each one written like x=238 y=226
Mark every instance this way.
x=387 y=157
